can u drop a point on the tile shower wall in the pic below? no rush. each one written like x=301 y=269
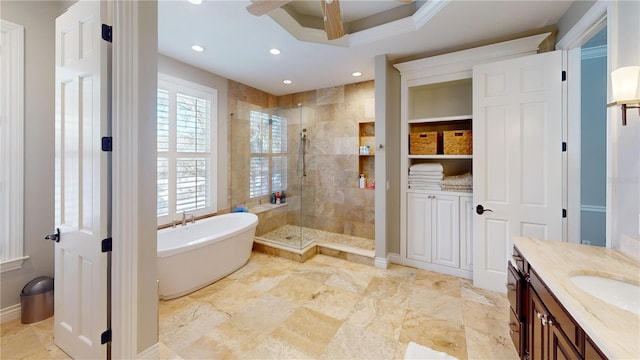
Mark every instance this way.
x=330 y=199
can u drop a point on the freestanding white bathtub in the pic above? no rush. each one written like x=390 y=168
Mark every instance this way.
x=193 y=256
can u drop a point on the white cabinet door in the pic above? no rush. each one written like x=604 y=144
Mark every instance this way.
x=445 y=230
x=517 y=159
x=419 y=226
x=466 y=233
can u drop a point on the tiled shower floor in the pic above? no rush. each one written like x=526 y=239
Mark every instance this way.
x=300 y=237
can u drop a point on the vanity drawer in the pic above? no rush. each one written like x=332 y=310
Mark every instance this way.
x=515 y=285
x=519 y=259
x=516 y=330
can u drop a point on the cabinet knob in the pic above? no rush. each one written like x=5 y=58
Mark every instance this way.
x=544 y=319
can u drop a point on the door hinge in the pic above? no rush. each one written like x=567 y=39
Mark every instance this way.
x=564 y=213
x=564 y=75
x=564 y=146
x=107 y=245
x=107 y=143
x=107 y=33
x=105 y=337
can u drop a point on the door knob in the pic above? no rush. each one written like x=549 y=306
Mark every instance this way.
x=55 y=237
x=481 y=209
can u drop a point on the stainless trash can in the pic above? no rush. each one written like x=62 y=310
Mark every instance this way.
x=36 y=300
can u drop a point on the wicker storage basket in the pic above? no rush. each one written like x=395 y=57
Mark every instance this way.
x=424 y=143
x=457 y=142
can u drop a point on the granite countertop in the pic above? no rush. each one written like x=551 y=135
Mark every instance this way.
x=615 y=331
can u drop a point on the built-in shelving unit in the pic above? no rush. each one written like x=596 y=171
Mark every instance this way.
x=366 y=161
x=436 y=96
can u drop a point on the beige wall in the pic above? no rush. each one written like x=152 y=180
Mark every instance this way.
x=147 y=73
x=328 y=197
x=175 y=68
x=38 y=19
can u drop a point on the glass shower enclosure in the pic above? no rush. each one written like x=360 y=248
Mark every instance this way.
x=270 y=161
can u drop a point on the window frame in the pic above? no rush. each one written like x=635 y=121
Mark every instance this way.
x=174 y=86
x=12 y=147
x=269 y=156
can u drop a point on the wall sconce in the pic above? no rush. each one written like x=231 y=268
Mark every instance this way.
x=625 y=88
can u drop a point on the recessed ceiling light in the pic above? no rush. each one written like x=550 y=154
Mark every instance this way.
x=275 y=51
x=197 y=48
x=287 y=82
x=195 y=2
x=356 y=74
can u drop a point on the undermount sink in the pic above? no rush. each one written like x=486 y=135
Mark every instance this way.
x=619 y=293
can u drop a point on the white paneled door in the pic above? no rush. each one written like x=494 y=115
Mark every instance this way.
x=517 y=159
x=81 y=181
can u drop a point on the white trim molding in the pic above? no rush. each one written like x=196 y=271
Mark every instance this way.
x=594 y=52
x=594 y=208
x=10 y=313
x=12 y=146
x=153 y=352
x=395 y=258
x=125 y=180
x=381 y=263
x=592 y=22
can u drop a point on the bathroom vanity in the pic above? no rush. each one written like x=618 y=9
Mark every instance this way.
x=553 y=316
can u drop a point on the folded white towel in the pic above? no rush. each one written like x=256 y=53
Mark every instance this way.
x=426 y=177
x=464 y=179
x=417 y=351
x=425 y=187
x=426 y=167
x=425 y=182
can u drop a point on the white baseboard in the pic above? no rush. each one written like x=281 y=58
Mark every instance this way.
x=383 y=263
x=394 y=258
x=10 y=313
x=152 y=352
x=380 y=263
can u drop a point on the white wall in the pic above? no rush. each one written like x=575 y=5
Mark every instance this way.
x=38 y=19
x=624 y=40
x=175 y=68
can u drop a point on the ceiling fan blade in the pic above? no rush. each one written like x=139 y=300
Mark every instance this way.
x=332 y=19
x=261 y=7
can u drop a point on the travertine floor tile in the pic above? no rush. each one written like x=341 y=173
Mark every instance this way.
x=297 y=289
x=333 y=301
x=183 y=328
x=307 y=331
x=20 y=342
x=325 y=308
x=437 y=305
x=438 y=334
x=380 y=316
x=352 y=342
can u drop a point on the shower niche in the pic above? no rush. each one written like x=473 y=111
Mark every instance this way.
x=366 y=153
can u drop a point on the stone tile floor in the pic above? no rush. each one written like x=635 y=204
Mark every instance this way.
x=324 y=308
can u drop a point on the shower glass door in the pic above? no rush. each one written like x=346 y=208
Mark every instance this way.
x=270 y=163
